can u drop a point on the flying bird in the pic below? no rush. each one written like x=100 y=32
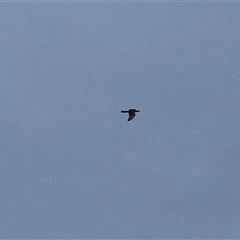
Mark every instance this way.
x=131 y=113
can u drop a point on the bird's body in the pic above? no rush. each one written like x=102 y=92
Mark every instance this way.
x=131 y=112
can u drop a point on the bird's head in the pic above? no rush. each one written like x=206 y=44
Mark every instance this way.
x=133 y=110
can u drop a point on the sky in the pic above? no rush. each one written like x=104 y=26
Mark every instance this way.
x=71 y=166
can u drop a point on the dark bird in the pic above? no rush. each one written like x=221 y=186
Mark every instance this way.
x=131 y=113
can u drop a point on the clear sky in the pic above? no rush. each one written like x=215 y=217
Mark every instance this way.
x=72 y=166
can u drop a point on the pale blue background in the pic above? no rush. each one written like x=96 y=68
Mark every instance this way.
x=73 y=167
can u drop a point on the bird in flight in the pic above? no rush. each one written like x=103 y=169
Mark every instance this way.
x=131 y=113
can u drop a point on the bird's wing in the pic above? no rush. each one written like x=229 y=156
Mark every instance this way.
x=123 y=111
x=131 y=116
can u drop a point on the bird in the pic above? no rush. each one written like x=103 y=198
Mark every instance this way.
x=131 y=112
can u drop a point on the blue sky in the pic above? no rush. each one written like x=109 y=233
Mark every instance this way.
x=71 y=164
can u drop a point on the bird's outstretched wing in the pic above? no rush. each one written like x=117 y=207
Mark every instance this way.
x=131 y=116
x=124 y=111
